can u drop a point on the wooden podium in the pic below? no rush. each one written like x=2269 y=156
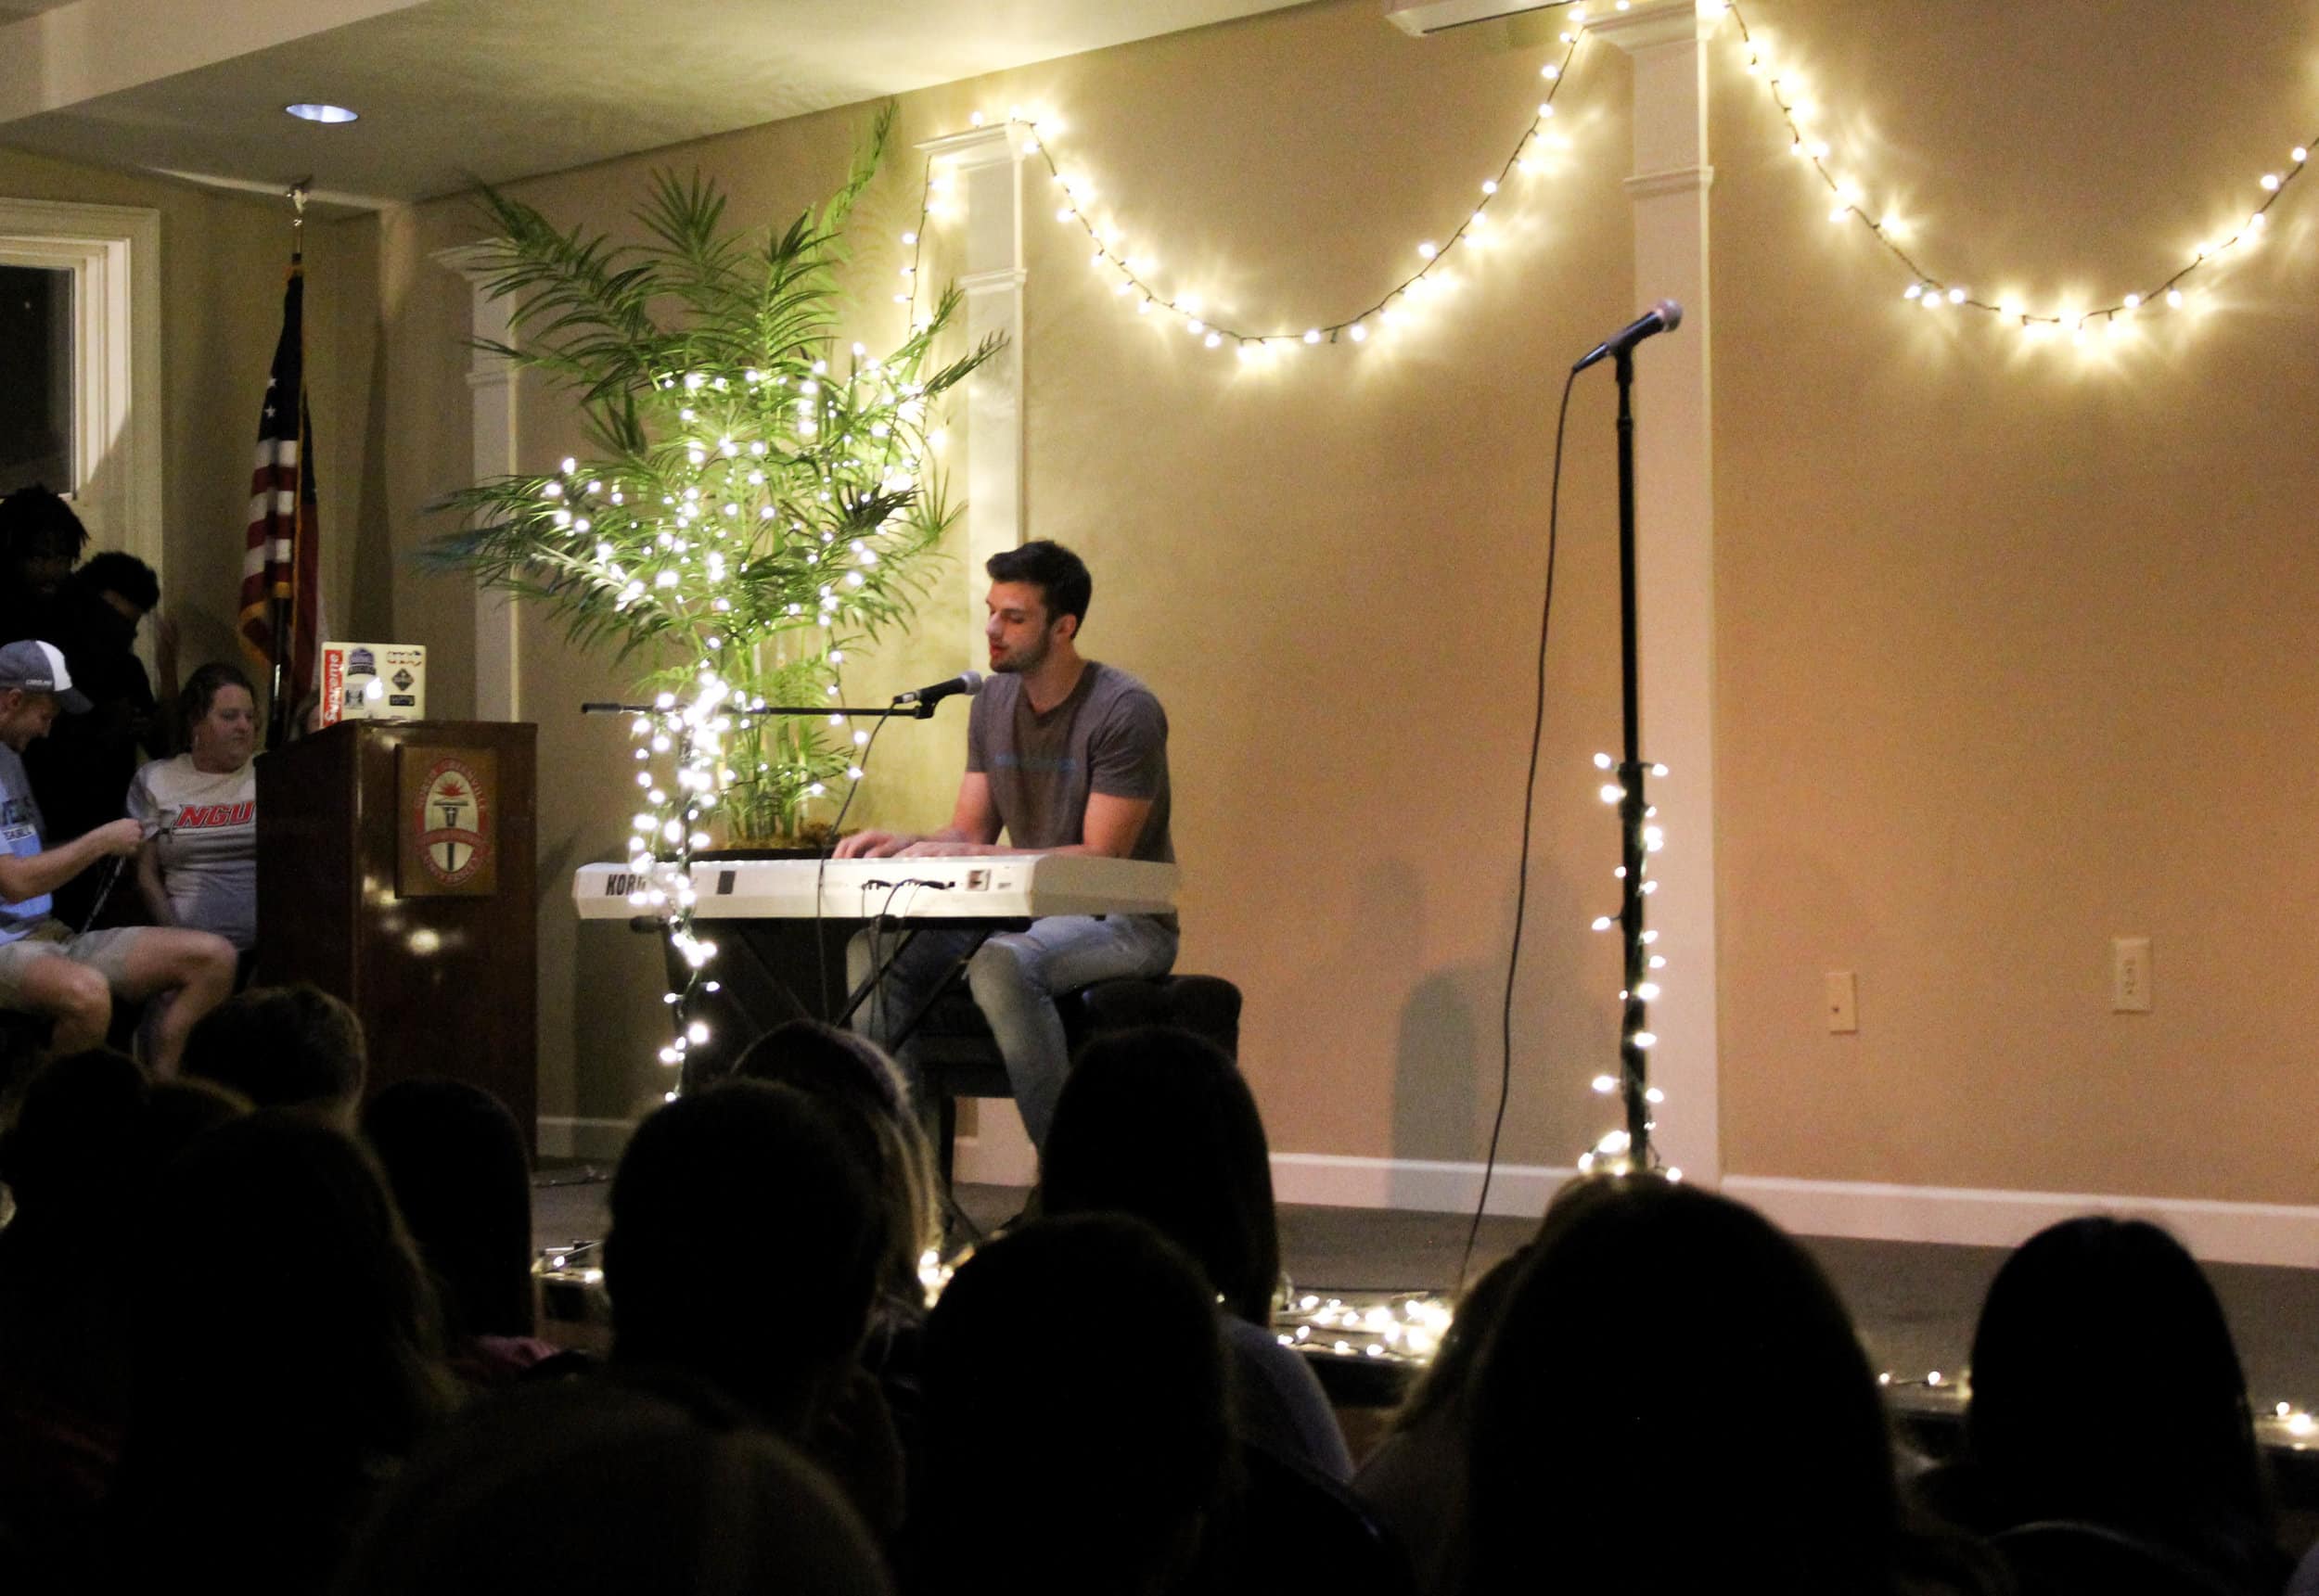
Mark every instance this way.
x=396 y=871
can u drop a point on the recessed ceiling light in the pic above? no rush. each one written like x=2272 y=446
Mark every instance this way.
x=307 y=110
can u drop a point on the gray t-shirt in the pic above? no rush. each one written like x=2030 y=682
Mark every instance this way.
x=20 y=834
x=1108 y=737
x=208 y=843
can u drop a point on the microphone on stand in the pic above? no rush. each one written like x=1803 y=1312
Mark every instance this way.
x=1662 y=317
x=966 y=684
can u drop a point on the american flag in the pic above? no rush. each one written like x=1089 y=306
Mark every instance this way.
x=281 y=573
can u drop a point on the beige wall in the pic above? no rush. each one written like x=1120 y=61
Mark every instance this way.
x=2017 y=647
x=223 y=263
x=2015 y=651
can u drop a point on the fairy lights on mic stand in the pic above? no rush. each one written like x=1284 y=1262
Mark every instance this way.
x=1622 y=1151
x=1933 y=292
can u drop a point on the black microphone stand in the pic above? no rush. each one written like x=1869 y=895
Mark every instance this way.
x=1634 y=1067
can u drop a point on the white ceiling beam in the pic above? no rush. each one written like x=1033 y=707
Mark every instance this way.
x=1419 y=18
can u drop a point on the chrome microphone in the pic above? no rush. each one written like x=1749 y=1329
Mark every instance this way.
x=1662 y=317
x=966 y=684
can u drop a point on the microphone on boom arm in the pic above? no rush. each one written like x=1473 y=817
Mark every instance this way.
x=1662 y=317
x=966 y=684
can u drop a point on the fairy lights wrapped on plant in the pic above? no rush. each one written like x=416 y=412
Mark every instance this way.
x=755 y=501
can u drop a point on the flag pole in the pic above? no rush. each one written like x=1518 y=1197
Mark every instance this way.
x=279 y=708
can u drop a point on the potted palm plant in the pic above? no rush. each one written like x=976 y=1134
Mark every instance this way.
x=755 y=503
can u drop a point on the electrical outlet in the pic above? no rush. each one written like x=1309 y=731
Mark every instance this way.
x=1843 y=1003
x=2130 y=975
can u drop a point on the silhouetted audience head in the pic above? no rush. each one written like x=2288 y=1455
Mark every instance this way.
x=115 y=571
x=592 y=1489
x=40 y=539
x=1447 y=1381
x=1593 y=1450
x=744 y=1248
x=80 y=1160
x=1075 y=1365
x=1158 y=1123
x=853 y=1076
x=2106 y=1387
x=1415 y=1479
x=455 y=1159
x=292 y=1355
x=283 y=1047
x=87 y=1139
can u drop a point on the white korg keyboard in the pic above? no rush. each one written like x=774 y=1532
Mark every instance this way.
x=985 y=887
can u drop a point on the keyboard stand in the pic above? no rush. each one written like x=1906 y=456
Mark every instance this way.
x=941 y=988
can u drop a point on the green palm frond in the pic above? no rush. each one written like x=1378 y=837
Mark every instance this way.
x=755 y=503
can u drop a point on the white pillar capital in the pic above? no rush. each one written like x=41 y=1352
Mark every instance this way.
x=1648 y=24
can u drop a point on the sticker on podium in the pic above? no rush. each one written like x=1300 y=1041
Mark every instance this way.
x=373 y=682
x=447 y=840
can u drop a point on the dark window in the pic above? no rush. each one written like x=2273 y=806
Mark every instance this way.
x=36 y=411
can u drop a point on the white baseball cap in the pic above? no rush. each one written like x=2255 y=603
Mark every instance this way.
x=39 y=666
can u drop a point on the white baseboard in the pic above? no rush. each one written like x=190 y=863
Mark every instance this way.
x=2218 y=1232
x=600 y=1141
x=1341 y=1181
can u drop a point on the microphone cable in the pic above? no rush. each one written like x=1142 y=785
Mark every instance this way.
x=112 y=878
x=1521 y=878
x=104 y=892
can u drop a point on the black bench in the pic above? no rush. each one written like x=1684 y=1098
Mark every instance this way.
x=958 y=1057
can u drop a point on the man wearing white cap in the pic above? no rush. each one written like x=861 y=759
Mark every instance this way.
x=53 y=969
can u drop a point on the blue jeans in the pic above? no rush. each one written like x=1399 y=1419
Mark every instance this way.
x=1015 y=978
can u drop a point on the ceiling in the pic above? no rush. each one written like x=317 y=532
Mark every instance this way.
x=450 y=91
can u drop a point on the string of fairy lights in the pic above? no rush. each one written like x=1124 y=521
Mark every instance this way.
x=1135 y=272
x=1934 y=292
x=1615 y=1153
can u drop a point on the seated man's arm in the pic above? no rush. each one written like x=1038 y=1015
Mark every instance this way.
x=1129 y=759
x=975 y=817
x=1112 y=825
x=974 y=825
x=23 y=878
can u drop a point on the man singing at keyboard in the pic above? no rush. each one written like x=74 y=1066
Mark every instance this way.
x=1066 y=756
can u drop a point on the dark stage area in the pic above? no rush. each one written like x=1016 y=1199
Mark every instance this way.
x=1913 y=1302
x=1915 y=1305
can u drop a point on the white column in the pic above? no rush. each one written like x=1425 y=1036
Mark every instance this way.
x=491 y=380
x=987 y=163
x=1675 y=549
